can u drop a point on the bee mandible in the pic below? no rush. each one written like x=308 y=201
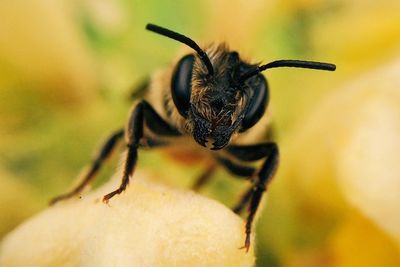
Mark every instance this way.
x=214 y=101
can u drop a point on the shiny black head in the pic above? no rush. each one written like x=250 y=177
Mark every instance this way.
x=219 y=105
x=218 y=93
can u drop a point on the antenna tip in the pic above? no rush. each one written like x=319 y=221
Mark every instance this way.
x=150 y=26
x=332 y=67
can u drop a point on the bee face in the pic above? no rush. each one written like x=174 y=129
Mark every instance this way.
x=214 y=105
x=219 y=94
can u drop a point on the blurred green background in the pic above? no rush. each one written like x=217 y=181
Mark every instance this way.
x=67 y=68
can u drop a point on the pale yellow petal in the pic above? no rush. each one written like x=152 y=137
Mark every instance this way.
x=348 y=151
x=148 y=225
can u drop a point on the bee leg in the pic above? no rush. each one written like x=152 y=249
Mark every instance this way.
x=243 y=201
x=142 y=113
x=152 y=143
x=104 y=153
x=139 y=89
x=249 y=153
x=240 y=171
x=204 y=177
x=236 y=169
x=264 y=176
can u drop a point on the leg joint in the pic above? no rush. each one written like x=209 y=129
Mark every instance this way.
x=260 y=187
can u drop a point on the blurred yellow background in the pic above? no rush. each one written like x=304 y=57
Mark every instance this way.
x=67 y=67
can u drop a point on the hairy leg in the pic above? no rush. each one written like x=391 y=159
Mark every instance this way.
x=263 y=177
x=142 y=114
x=104 y=153
x=204 y=177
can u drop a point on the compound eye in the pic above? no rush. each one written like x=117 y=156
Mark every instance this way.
x=258 y=103
x=181 y=84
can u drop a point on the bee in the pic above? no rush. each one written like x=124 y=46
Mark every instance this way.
x=210 y=102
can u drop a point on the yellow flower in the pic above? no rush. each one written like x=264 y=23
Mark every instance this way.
x=147 y=225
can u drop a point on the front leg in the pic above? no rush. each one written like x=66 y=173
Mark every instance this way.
x=264 y=176
x=249 y=153
x=104 y=153
x=142 y=113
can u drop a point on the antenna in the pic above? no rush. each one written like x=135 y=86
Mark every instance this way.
x=288 y=63
x=183 y=39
